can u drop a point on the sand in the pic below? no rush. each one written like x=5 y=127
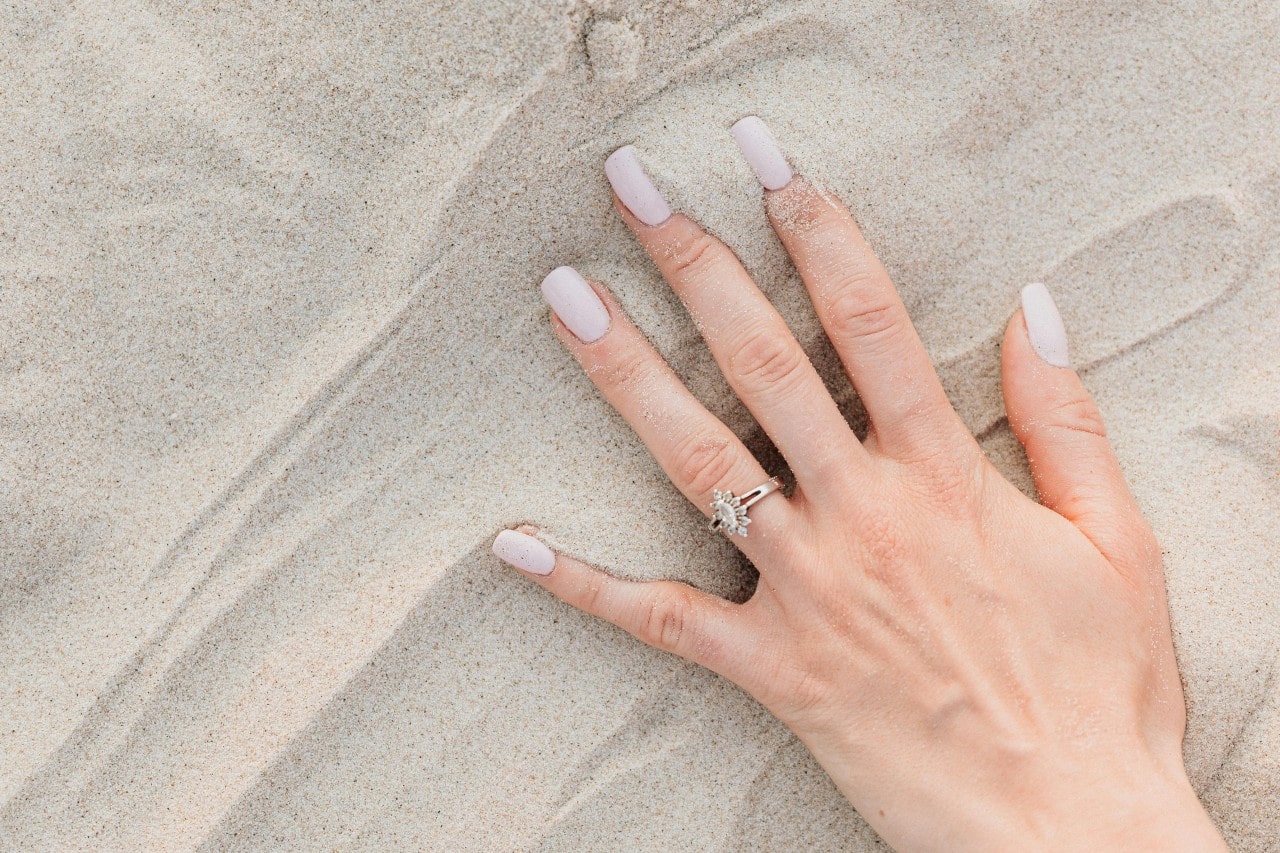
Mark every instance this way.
x=276 y=369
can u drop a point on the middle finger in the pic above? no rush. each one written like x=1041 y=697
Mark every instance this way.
x=763 y=362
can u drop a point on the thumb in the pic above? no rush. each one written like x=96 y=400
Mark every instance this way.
x=1075 y=471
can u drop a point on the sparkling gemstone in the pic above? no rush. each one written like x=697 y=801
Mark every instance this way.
x=725 y=514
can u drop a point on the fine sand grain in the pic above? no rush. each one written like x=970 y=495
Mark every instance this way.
x=276 y=370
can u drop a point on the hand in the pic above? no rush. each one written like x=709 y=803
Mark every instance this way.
x=974 y=670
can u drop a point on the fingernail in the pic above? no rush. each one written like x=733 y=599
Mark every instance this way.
x=576 y=304
x=632 y=184
x=524 y=552
x=762 y=152
x=1044 y=325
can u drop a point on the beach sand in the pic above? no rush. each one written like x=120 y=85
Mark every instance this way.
x=276 y=370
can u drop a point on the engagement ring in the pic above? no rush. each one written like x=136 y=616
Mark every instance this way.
x=729 y=512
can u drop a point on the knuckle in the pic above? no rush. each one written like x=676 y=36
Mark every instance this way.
x=856 y=312
x=668 y=620
x=792 y=689
x=589 y=598
x=766 y=359
x=884 y=541
x=1078 y=414
x=625 y=372
x=696 y=256
x=951 y=482
x=808 y=692
x=702 y=464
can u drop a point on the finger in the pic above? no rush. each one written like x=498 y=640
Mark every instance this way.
x=757 y=353
x=1076 y=473
x=857 y=303
x=668 y=615
x=696 y=450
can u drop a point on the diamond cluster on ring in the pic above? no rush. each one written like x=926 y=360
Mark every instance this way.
x=728 y=514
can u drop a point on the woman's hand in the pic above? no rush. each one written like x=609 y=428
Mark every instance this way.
x=974 y=670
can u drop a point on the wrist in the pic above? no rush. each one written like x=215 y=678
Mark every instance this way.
x=1088 y=800
x=1117 y=802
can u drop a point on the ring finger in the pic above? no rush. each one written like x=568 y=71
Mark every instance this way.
x=695 y=449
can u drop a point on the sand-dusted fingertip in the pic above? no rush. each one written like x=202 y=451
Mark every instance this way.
x=524 y=552
x=635 y=188
x=576 y=304
x=1044 y=325
x=762 y=152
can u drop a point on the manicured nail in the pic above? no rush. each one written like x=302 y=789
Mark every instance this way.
x=1044 y=325
x=576 y=304
x=762 y=152
x=632 y=184
x=524 y=552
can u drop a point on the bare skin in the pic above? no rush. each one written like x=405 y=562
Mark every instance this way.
x=973 y=669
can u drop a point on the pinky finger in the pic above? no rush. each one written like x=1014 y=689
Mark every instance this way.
x=669 y=615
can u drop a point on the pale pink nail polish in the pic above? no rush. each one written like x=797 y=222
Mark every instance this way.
x=1044 y=325
x=762 y=153
x=524 y=552
x=576 y=304
x=633 y=186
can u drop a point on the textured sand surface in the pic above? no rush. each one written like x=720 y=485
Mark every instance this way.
x=275 y=370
